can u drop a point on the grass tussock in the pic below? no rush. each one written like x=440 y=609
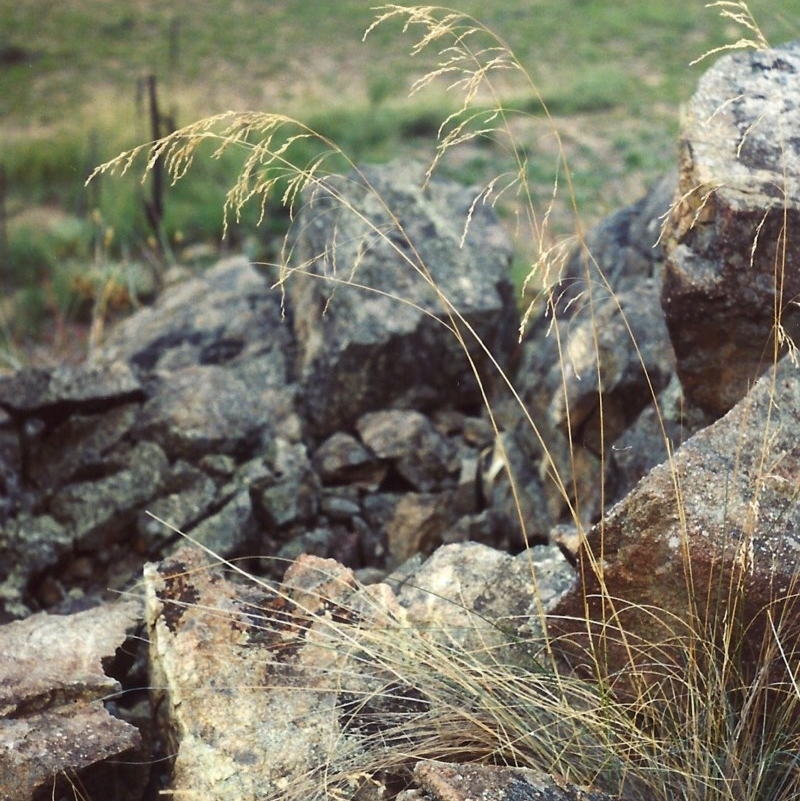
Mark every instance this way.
x=700 y=719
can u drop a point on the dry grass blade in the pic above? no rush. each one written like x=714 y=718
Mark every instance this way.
x=739 y=13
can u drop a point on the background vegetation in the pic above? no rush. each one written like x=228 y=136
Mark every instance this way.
x=73 y=94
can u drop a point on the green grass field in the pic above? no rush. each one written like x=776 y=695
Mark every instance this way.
x=612 y=72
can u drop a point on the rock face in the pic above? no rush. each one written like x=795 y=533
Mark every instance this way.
x=595 y=378
x=720 y=518
x=380 y=233
x=53 y=722
x=295 y=688
x=444 y=782
x=191 y=410
x=619 y=252
x=616 y=362
x=733 y=266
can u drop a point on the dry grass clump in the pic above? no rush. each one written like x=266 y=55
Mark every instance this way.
x=703 y=721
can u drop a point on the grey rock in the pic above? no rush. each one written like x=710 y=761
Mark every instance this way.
x=103 y=511
x=726 y=505
x=229 y=317
x=200 y=410
x=327 y=542
x=186 y=496
x=733 y=257
x=28 y=546
x=513 y=488
x=291 y=493
x=220 y=466
x=257 y=471
x=53 y=695
x=80 y=445
x=290 y=501
x=615 y=361
x=472 y=595
x=342 y=459
x=657 y=432
x=51 y=395
x=552 y=577
x=619 y=252
x=362 y=350
x=232 y=531
x=408 y=439
x=583 y=382
x=13 y=496
x=339 y=508
x=33 y=542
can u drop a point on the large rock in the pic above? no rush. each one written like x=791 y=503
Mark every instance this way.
x=202 y=409
x=733 y=267
x=706 y=540
x=254 y=687
x=54 y=684
x=380 y=277
x=615 y=361
x=226 y=317
x=321 y=686
x=53 y=394
x=441 y=781
x=619 y=252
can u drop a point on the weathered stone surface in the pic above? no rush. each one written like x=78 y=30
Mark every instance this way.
x=472 y=595
x=188 y=495
x=262 y=689
x=619 y=252
x=615 y=361
x=254 y=682
x=199 y=410
x=28 y=545
x=733 y=253
x=362 y=350
x=342 y=459
x=329 y=541
x=232 y=531
x=53 y=394
x=52 y=688
x=447 y=782
x=291 y=494
x=226 y=315
x=97 y=512
x=78 y=446
x=724 y=511
x=419 y=453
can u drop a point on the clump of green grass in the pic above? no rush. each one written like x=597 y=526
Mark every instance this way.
x=700 y=724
